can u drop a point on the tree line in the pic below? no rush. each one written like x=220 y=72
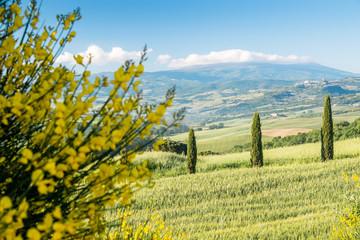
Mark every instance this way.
x=342 y=130
x=325 y=135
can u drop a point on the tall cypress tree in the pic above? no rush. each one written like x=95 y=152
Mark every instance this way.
x=191 y=152
x=322 y=146
x=256 y=144
x=327 y=130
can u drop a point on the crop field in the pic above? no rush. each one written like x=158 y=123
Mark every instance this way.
x=222 y=140
x=226 y=143
x=284 y=132
x=171 y=164
x=294 y=196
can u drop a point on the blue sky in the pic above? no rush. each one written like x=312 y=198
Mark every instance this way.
x=183 y=33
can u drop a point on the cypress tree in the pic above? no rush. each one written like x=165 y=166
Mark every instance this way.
x=191 y=152
x=327 y=130
x=322 y=146
x=256 y=145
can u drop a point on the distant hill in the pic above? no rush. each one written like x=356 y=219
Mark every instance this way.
x=240 y=76
x=336 y=90
x=236 y=89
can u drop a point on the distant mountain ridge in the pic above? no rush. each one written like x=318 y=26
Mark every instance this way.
x=235 y=73
x=255 y=71
x=242 y=76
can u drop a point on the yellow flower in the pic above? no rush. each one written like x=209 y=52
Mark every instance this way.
x=15 y=8
x=84 y=149
x=119 y=75
x=66 y=24
x=59 y=227
x=346 y=177
x=164 y=122
x=106 y=170
x=169 y=103
x=139 y=70
x=154 y=118
x=37 y=175
x=18 y=21
x=33 y=234
x=72 y=17
x=46 y=225
x=5 y=202
x=52 y=35
x=57 y=212
x=356 y=177
x=79 y=59
x=60 y=123
x=161 y=110
x=156 y=145
x=34 y=22
x=51 y=168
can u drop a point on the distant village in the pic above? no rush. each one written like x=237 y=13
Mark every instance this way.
x=323 y=82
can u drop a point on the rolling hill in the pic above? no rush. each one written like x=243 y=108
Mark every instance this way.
x=236 y=89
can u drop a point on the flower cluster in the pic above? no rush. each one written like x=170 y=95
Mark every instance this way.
x=57 y=143
x=349 y=226
x=124 y=227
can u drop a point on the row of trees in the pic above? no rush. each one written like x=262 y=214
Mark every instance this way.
x=256 y=152
x=327 y=137
x=342 y=130
x=164 y=131
x=216 y=126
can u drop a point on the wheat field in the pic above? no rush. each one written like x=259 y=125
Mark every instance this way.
x=294 y=196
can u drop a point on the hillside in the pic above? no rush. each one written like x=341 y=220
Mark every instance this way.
x=227 y=91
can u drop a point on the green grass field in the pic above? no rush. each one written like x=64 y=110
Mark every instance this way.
x=294 y=196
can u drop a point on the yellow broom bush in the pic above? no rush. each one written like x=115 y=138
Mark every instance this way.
x=57 y=148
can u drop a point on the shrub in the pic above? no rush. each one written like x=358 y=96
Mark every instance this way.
x=218 y=126
x=58 y=170
x=207 y=153
x=173 y=146
x=343 y=124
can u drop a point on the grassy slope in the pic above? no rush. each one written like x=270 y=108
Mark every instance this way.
x=221 y=140
x=289 y=198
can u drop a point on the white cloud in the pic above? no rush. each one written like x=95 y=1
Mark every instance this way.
x=233 y=55
x=164 y=58
x=100 y=57
x=66 y=57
